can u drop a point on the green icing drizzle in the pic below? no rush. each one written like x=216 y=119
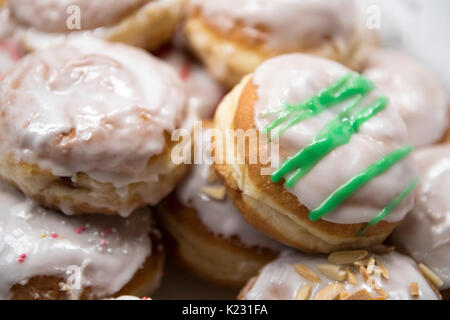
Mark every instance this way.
x=354 y=184
x=334 y=134
x=391 y=206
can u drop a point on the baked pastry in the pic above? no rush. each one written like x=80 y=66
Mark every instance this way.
x=204 y=93
x=86 y=127
x=143 y=23
x=417 y=95
x=47 y=255
x=234 y=37
x=330 y=168
x=425 y=233
x=298 y=276
x=207 y=234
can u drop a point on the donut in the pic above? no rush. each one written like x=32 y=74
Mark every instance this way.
x=206 y=232
x=47 y=255
x=204 y=93
x=233 y=37
x=142 y=23
x=425 y=233
x=338 y=172
x=297 y=276
x=86 y=127
x=418 y=96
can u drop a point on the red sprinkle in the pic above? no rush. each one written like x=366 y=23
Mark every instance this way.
x=83 y=228
x=22 y=257
x=108 y=230
x=54 y=235
x=144 y=298
x=102 y=242
x=185 y=70
x=77 y=230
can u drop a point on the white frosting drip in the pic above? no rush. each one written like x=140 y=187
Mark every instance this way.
x=204 y=93
x=112 y=102
x=279 y=280
x=108 y=250
x=425 y=233
x=294 y=78
x=291 y=23
x=418 y=96
x=51 y=15
x=220 y=216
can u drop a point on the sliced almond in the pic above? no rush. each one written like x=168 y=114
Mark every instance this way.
x=382 y=249
x=414 y=289
x=382 y=268
x=430 y=275
x=217 y=193
x=304 y=293
x=332 y=271
x=362 y=294
x=351 y=277
x=364 y=273
x=359 y=263
x=347 y=257
x=330 y=292
x=370 y=266
x=343 y=295
x=306 y=273
x=382 y=294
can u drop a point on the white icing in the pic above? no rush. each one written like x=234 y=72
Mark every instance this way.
x=294 y=78
x=418 y=96
x=220 y=216
x=279 y=280
x=425 y=233
x=109 y=251
x=118 y=100
x=204 y=93
x=98 y=19
x=52 y=15
x=290 y=23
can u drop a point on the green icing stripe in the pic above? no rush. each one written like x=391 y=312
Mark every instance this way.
x=336 y=133
x=389 y=208
x=354 y=184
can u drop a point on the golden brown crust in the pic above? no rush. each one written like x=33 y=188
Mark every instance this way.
x=275 y=211
x=144 y=282
x=225 y=261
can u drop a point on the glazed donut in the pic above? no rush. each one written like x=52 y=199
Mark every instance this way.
x=143 y=23
x=47 y=255
x=203 y=92
x=86 y=127
x=208 y=235
x=234 y=37
x=296 y=276
x=425 y=234
x=341 y=177
x=418 y=96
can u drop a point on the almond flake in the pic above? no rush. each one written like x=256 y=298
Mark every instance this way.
x=304 y=293
x=362 y=294
x=332 y=271
x=364 y=273
x=351 y=277
x=430 y=275
x=382 y=294
x=347 y=257
x=306 y=273
x=371 y=266
x=330 y=292
x=217 y=193
x=343 y=295
x=414 y=289
x=364 y=262
x=382 y=249
x=383 y=269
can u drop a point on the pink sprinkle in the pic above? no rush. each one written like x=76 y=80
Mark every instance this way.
x=22 y=257
x=102 y=234
x=185 y=70
x=54 y=235
x=102 y=242
x=144 y=298
x=77 y=230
